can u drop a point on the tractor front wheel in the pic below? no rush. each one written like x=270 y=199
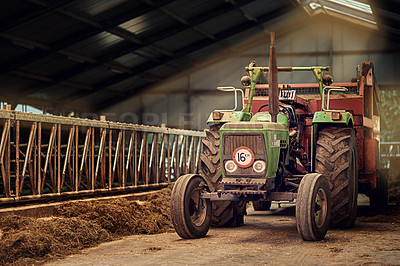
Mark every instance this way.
x=191 y=215
x=313 y=207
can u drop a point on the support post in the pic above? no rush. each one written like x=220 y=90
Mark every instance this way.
x=273 y=81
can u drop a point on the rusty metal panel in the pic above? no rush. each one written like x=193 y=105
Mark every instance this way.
x=358 y=120
x=360 y=147
x=371 y=154
x=353 y=104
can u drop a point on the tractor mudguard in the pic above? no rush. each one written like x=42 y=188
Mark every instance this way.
x=333 y=117
x=221 y=117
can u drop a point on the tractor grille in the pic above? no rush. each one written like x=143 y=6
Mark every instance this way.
x=255 y=142
x=243 y=126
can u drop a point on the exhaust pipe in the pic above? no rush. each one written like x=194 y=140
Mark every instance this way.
x=273 y=80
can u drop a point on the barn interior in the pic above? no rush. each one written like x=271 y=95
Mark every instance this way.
x=159 y=62
x=153 y=66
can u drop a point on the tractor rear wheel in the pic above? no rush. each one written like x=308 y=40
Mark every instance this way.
x=261 y=205
x=228 y=213
x=210 y=159
x=336 y=159
x=224 y=213
x=313 y=207
x=190 y=214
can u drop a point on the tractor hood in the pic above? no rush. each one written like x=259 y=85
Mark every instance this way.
x=266 y=117
x=252 y=149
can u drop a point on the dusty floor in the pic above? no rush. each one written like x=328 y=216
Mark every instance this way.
x=266 y=238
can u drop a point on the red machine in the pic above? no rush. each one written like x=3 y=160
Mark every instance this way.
x=361 y=101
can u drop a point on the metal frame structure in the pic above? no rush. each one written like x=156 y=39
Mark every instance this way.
x=45 y=155
x=119 y=27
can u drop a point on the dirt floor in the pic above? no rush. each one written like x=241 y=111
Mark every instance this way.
x=78 y=225
x=268 y=237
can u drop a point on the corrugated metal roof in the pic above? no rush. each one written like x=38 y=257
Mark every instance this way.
x=50 y=65
x=148 y=24
x=131 y=60
x=93 y=53
x=223 y=22
x=257 y=8
x=179 y=40
x=96 y=45
x=93 y=75
x=129 y=84
x=189 y=9
x=96 y=7
x=40 y=30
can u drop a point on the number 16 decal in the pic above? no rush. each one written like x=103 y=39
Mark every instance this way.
x=243 y=157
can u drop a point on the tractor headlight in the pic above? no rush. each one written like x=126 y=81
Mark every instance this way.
x=230 y=166
x=259 y=166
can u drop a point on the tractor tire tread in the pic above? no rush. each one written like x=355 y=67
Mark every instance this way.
x=224 y=213
x=336 y=158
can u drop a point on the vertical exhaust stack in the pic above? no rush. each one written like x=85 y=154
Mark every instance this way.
x=273 y=80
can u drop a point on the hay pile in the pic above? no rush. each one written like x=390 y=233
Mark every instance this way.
x=123 y=217
x=28 y=240
x=25 y=240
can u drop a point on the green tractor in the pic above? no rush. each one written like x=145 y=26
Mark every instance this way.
x=249 y=158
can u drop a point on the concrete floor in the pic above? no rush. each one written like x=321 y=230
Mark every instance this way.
x=268 y=237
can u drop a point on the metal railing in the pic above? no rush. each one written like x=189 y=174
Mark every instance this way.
x=389 y=150
x=43 y=155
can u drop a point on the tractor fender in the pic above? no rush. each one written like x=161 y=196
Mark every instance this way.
x=225 y=116
x=333 y=117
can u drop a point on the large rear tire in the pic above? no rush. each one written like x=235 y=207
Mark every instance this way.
x=313 y=207
x=210 y=159
x=336 y=159
x=228 y=213
x=190 y=214
x=224 y=213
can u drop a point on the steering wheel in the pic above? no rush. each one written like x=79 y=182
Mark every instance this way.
x=261 y=107
x=281 y=107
